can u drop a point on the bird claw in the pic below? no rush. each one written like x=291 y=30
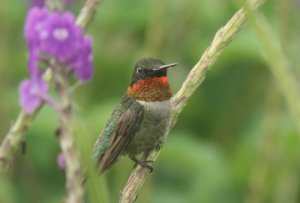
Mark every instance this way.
x=157 y=147
x=143 y=163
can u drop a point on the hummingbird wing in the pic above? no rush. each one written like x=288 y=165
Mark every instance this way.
x=119 y=130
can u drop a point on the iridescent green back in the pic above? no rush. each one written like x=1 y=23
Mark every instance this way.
x=104 y=140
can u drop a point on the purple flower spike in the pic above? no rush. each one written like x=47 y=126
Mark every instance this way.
x=31 y=94
x=61 y=37
x=34 y=26
x=84 y=64
x=61 y=161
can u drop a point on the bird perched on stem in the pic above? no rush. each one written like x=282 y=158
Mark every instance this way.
x=139 y=123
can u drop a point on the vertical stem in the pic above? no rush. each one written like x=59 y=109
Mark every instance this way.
x=268 y=143
x=67 y=141
x=279 y=65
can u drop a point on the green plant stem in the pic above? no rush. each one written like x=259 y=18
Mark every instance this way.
x=196 y=76
x=65 y=133
x=87 y=13
x=264 y=160
x=12 y=141
x=278 y=65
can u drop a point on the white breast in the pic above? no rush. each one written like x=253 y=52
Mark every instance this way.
x=157 y=109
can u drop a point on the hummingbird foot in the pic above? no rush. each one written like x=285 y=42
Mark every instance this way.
x=143 y=163
x=157 y=147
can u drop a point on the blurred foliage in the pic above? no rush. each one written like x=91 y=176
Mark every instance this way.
x=234 y=142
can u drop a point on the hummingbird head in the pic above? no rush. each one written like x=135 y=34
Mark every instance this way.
x=150 y=81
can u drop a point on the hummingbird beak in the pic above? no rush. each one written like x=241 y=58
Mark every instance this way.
x=166 y=66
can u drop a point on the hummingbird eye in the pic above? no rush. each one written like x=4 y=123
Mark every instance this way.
x=139 y=70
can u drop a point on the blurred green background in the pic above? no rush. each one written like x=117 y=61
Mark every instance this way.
x=234 y=142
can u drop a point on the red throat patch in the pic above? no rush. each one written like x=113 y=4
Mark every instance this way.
x=151 y=89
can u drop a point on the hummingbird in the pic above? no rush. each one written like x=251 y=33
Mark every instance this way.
x=139 y=123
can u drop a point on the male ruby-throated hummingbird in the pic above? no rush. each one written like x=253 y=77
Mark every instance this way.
x=139 y=122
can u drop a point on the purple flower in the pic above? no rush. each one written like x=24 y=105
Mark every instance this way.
x=34 y=27
x=53 y=34
x=60 y=36
x=84 y=63
x=61 y=161
x=32 y=93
